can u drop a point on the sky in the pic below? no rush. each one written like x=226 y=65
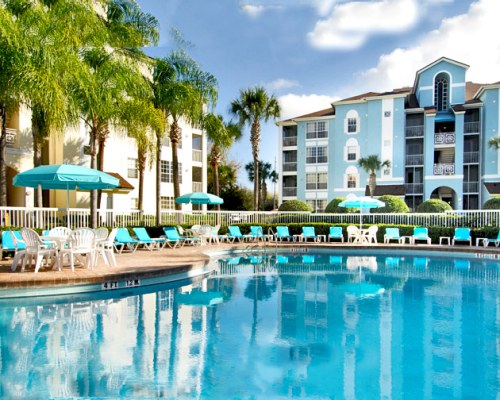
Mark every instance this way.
x=308 y=53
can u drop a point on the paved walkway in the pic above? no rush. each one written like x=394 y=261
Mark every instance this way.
x=144 y=263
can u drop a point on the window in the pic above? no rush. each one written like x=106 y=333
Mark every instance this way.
x=167 y=203
x=316 y=155
x=317 y=181
x=352 y=125
x=351 y=181
x=316 y=130
x=166 y=171
x=351 y=150
x=352 y=153
x=132 y=168
x=441 y=94
x=318 y=205
x=134 y=203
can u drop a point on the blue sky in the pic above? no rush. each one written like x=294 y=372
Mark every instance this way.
x=311 y=52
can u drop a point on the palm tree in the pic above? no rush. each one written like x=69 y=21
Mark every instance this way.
x=371 y=164
x=181 y=91
x=253 y=106
x=221 y=136
x=494 y=142
x=274 y=176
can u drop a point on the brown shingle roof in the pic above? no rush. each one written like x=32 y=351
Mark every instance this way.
x=380 y=190
x=124 y=184
x=322 y=113
x=492 y=187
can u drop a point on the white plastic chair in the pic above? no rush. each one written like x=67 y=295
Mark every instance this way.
x=20 y=254
x=60 y=231
x=371 y=235
x=104 y=245
x=35 y=248
x=80 y=242
x=353 y=233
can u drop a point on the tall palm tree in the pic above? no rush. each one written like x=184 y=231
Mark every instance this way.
x=371 y=164
x=253 y=106
x=221 y=136
x=494 y=142
x=181 y=91
x=274 y=176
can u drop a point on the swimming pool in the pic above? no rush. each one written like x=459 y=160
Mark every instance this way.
x=266 y=326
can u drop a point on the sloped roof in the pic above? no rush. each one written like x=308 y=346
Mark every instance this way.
x=492 y=187
x=380 y=190
x=124 y=185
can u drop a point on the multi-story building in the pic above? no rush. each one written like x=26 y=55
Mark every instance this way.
x=120 y=158
x=435 y=135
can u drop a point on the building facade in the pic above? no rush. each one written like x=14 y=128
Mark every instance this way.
x=435 y=136
x=120 y=157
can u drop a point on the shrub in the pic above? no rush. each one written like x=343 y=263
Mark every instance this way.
x=393 y=204
x=492 y=204
x=333 y=207
x=433 y=206
x=294 y=205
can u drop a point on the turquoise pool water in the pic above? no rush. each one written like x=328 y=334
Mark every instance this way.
x=313 y=325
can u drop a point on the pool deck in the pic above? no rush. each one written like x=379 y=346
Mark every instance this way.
x=144 y=263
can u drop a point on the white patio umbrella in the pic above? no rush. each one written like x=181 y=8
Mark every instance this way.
x=364 y=202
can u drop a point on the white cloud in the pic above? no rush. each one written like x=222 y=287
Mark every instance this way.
x=293 y=105
x=350 y=24
x=280 y=84
x=255 y=10
x=472 y=38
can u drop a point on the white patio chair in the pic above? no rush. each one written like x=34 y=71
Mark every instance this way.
x=104 y=245
x=20 y=251
x=80 y=242
x=353 y=233
x=371 y=234
x=60 y=231
x=35 y=248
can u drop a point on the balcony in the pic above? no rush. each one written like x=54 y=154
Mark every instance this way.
x=444 y=169
x=11 y=137
x=472 y=127
x=290 y=166
x=415 y=159
x=471 y=187
x=414 y=188
x=471 y=157
x=444 y=138
x=197 y=186
x=414 y=131
x=197 y=155
x=290 y=141
x=289 y=191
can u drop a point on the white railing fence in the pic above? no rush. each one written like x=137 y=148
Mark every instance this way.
x=46 y=218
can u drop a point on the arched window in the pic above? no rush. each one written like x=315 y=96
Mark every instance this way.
x=441 y=92
x=351 y=150
x=351 y=177
x=351 y=122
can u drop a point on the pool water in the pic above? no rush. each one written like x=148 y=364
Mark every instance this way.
x=268 y=326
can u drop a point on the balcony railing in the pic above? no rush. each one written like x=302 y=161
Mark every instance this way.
x=290 y=141
x=444 y=169
x=289 y=191
x=11 y=137
x=415 y=159
x=415 y=131
x=444 y=138
x=472 y=127
x=197 y=155
x=471 y=157
x=197 y=186
x=414 y=188
x=289 y=166
x=471 y=187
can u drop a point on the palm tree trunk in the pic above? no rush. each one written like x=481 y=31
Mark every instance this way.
x=93 y=164
x=372 y=183
x=38 y=133
x=3 y=165
x=158 y=179
x=141 y=164
x=255 y=140
x=175 y=134
x=103 y=135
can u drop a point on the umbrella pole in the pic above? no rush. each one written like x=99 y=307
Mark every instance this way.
x=67 y=207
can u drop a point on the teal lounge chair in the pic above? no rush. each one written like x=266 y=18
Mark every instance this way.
x=8 y=243
x=283 y=233
x=309 y=233
x=124 y=240
x=393 y=234
x=462 y=235
x=173 y=239
x=496 y=242
x=235 y=233
x=419 y=234
x=149 y=242
x=258 y=233
x=336 y=233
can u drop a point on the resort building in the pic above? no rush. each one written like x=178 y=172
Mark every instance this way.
x=435 y=135
x=120 y=159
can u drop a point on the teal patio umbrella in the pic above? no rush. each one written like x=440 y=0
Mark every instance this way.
x=65 y=177
x=199 y=198
x=362 y=203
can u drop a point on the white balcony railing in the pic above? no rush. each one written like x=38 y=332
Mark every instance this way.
x=290 y=141
x=415 y=159
x=441 y=138
x=444 y=169
x=197 y=187
x=197 y=155
x=289 y=166
x=289 y=191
